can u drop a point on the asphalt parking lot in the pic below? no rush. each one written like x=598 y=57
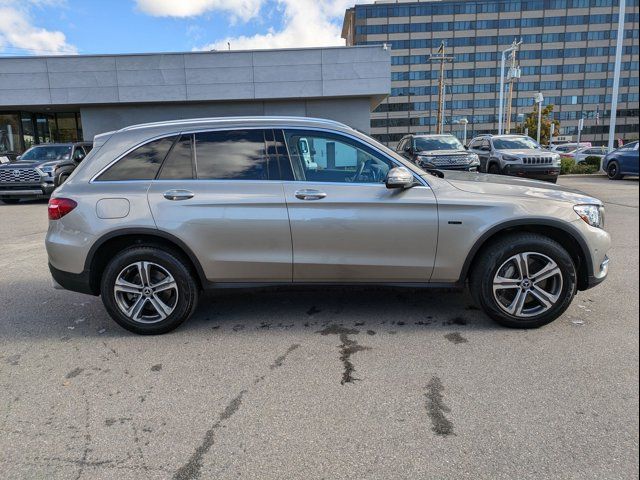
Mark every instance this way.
x=320 y=383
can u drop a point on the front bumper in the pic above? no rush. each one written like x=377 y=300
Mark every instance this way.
x=542 y=172
x=26 y=190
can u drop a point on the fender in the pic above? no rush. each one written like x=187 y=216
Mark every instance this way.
x=150 y=232
x=560 y=225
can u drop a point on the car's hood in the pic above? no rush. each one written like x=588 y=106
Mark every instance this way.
x=434 y=153
x=526 y=152
x=27 y=164
x=516 y=187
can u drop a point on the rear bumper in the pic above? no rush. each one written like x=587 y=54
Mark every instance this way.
x=545 y=172
x=76 y=282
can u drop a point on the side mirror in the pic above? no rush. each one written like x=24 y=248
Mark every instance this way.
x=18 y=157
x=399 y=177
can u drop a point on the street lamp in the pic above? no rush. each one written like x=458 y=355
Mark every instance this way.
x=539 y=98
x=514 y=46
x=464 y=122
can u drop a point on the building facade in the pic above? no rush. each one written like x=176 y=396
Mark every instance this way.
x=568 y=54
x=71 y=98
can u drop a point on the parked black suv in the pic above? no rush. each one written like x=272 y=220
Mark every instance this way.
x=31 y=175
x=442 y=152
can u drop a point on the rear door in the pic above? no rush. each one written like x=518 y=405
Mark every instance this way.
x=221 y=193
x=346 y=226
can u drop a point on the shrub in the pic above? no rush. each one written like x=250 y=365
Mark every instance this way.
x=594 y=161
x=566 y=165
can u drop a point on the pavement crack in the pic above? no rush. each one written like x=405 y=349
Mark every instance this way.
x=280 y=360
x=436 y=409
x=348 y=347
x=193 y=467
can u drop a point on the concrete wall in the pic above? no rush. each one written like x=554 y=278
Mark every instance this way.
x=98 y=119
x=195 y=77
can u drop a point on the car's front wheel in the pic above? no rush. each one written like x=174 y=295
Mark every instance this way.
x=524 y=280
x=148 y=290
x=494 y=169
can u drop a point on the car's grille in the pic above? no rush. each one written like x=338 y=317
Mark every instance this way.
x=19 y=175
x=451 y=160
x=537 y=160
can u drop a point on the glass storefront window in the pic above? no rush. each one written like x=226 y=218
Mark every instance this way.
x=10 y=133
x=20 y=131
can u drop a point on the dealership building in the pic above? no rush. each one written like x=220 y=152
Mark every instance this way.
x=568 y=54
x=72 y=98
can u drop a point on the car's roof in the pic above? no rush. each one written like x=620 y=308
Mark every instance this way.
x=235 y=121
x=433 y=135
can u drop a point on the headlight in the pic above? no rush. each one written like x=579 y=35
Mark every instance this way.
x=591 y=214
x=425 y=158
x=46 y=168
x=556 y=158
x=473 y=159
x=510 y=158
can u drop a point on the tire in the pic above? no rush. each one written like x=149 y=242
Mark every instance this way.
x=158 y=311
x=11 y=201
x=500 y=258
x=494 y=169
x=60 y=179
x=613 y=171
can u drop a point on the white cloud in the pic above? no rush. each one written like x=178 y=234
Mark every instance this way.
x=307 y=23
x=18 y=32
x=244 y=9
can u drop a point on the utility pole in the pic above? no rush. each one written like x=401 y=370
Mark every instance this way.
x=513 y=46
x=539 y=98
x=442 y=58
x=616 y=75
x=512 y=77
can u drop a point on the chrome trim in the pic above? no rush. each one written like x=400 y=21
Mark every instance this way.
x=409 y=165
x=21 y=192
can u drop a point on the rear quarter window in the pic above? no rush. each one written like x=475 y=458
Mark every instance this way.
x=142 y=163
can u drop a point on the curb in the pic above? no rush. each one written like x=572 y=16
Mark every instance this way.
x=570 y=175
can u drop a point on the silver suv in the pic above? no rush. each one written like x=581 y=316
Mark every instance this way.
x=157 y=213
x=516 y=155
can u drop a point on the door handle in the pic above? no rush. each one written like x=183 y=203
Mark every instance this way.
x=310 y=194
x=178 y=195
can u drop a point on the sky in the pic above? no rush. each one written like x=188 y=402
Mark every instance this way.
x=62 y=27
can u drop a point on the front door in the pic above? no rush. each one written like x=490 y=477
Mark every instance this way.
x=221 y=193
x=346 y=226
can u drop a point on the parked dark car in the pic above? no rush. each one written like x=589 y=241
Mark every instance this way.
x=31 y=175
x=621 y=162
x=442 y=152
x=64 y=169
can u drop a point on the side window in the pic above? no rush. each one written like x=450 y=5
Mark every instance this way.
x=234 y=155
x=142 y=163
x=325 y=157
x=178 y=164
x=78 y=154
x=485 y=146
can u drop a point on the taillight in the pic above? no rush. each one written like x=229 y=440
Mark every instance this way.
x=59 y=207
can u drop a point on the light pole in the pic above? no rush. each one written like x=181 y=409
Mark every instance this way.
x=616 y=75
x=539 y=98
x=464 y=122
x=514 y=46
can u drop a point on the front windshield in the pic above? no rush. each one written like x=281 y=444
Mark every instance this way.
x=46 y=152
x=515 y=143
x=565 y=148
x=424 y=144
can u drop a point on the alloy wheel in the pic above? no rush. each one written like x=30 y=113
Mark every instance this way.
x=527 y=284
x=145 y=292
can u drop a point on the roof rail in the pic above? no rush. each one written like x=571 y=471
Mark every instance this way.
x=260 y=118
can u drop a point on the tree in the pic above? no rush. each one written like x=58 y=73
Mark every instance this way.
x=531 y=123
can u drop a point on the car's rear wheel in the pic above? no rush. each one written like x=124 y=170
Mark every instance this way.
x=524 y=280
x=613 y=171
x=10 y=201
x=148 y=290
